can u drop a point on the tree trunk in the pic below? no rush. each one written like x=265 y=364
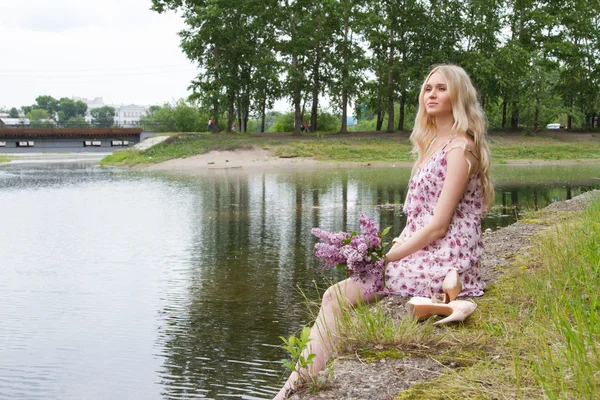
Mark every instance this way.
x=264 y=110
x=297 y=107
x=536 y=115
x=401 y=118
x=390 y=127
x=239 y=113
x=514 y=118
x=297 y=94
x=215 y=126
x=379 y=101
x=316 y=80
x=344 y=128
x=246 y=113
x=230 y=100
x=303 y=109
x=504 y=105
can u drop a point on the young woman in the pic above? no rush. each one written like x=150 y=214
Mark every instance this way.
x=449 y=190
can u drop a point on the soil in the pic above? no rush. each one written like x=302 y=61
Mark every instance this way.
x=352 y=378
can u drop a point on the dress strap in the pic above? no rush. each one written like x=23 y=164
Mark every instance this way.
x=448 y=142
x=465 y=148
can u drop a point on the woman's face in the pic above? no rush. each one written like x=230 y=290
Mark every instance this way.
x=437 y=99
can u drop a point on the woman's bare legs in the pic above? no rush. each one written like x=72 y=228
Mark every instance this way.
x=324 y=333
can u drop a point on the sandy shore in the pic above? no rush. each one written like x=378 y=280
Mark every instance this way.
x=249 y=159
x=261 y=159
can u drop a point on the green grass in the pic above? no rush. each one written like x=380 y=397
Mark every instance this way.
x=4 y=159
x=336 y=148
x=540 y=151
x=535 y=333
x=179 y=146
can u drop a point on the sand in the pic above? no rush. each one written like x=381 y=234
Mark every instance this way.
x=261 y=159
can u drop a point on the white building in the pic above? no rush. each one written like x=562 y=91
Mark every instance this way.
x=125 y=116
x=14 y=123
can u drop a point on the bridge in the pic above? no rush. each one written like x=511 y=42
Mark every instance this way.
x=68 y=140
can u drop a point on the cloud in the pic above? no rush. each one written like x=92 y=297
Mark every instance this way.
x=65 y=15
x=119 y=50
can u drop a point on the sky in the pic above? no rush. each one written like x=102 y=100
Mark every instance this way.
x=116 y=49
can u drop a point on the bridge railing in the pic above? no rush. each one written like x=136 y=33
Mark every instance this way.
x=148 y=126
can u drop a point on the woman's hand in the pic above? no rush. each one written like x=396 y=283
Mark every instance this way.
x=394 y=246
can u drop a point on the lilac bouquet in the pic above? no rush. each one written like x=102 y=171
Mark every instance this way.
x=360 y=255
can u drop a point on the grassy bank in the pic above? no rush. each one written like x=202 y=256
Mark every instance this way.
x=534 y=335
x=354 y=148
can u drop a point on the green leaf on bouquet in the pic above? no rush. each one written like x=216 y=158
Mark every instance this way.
x=385 y=232
x=341 y=266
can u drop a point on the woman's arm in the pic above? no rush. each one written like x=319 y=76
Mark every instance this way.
x=457 y=177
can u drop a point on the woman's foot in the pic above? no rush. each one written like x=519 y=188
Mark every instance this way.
x=284 y=393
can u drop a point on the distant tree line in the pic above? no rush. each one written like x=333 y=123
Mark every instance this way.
x=183 y=116
x=64 y=112
x=532 y=61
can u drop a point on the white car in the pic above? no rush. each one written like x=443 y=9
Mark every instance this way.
x=553 y=126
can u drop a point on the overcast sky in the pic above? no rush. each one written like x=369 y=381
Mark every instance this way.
x=115 y=49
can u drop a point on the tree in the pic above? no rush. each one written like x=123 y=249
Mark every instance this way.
x=48 y=103
x=103 y=117
x=181 y=117
x=77 y=122
x=348 y=68
x=13 y=113
x=38 y=118
x=80 y=108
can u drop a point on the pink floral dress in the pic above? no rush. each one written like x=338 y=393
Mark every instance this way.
x=462 y=245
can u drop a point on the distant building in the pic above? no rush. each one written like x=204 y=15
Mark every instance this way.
x=14 y=123
x=125 y=116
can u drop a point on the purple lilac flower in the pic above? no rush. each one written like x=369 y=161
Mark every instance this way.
x=357 y=256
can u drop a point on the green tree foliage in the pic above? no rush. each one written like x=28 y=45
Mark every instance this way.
x=37 y=115
x=38 y=118
x=48 y=103
x=180 y=117
x=61 y=110
x=532 y=61
x=103 y=117
x=13 y=113
x=77 y=122
x=285 y=122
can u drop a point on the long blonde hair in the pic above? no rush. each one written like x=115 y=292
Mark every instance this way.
x=469 y=119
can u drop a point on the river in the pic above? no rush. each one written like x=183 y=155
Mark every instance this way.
x=133 y=285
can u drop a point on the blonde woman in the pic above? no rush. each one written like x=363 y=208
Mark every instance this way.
x=449 y=190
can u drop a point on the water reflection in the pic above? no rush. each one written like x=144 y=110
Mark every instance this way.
x=189 y=281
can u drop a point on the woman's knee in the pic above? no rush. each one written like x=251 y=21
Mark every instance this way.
x=331 y=297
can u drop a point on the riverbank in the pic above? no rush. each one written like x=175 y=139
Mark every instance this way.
x=207 y=151
x=534 y=335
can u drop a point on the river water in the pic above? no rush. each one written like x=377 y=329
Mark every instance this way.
x=129 y=285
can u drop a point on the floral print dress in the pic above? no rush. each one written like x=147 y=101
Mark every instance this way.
x=462 y=245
